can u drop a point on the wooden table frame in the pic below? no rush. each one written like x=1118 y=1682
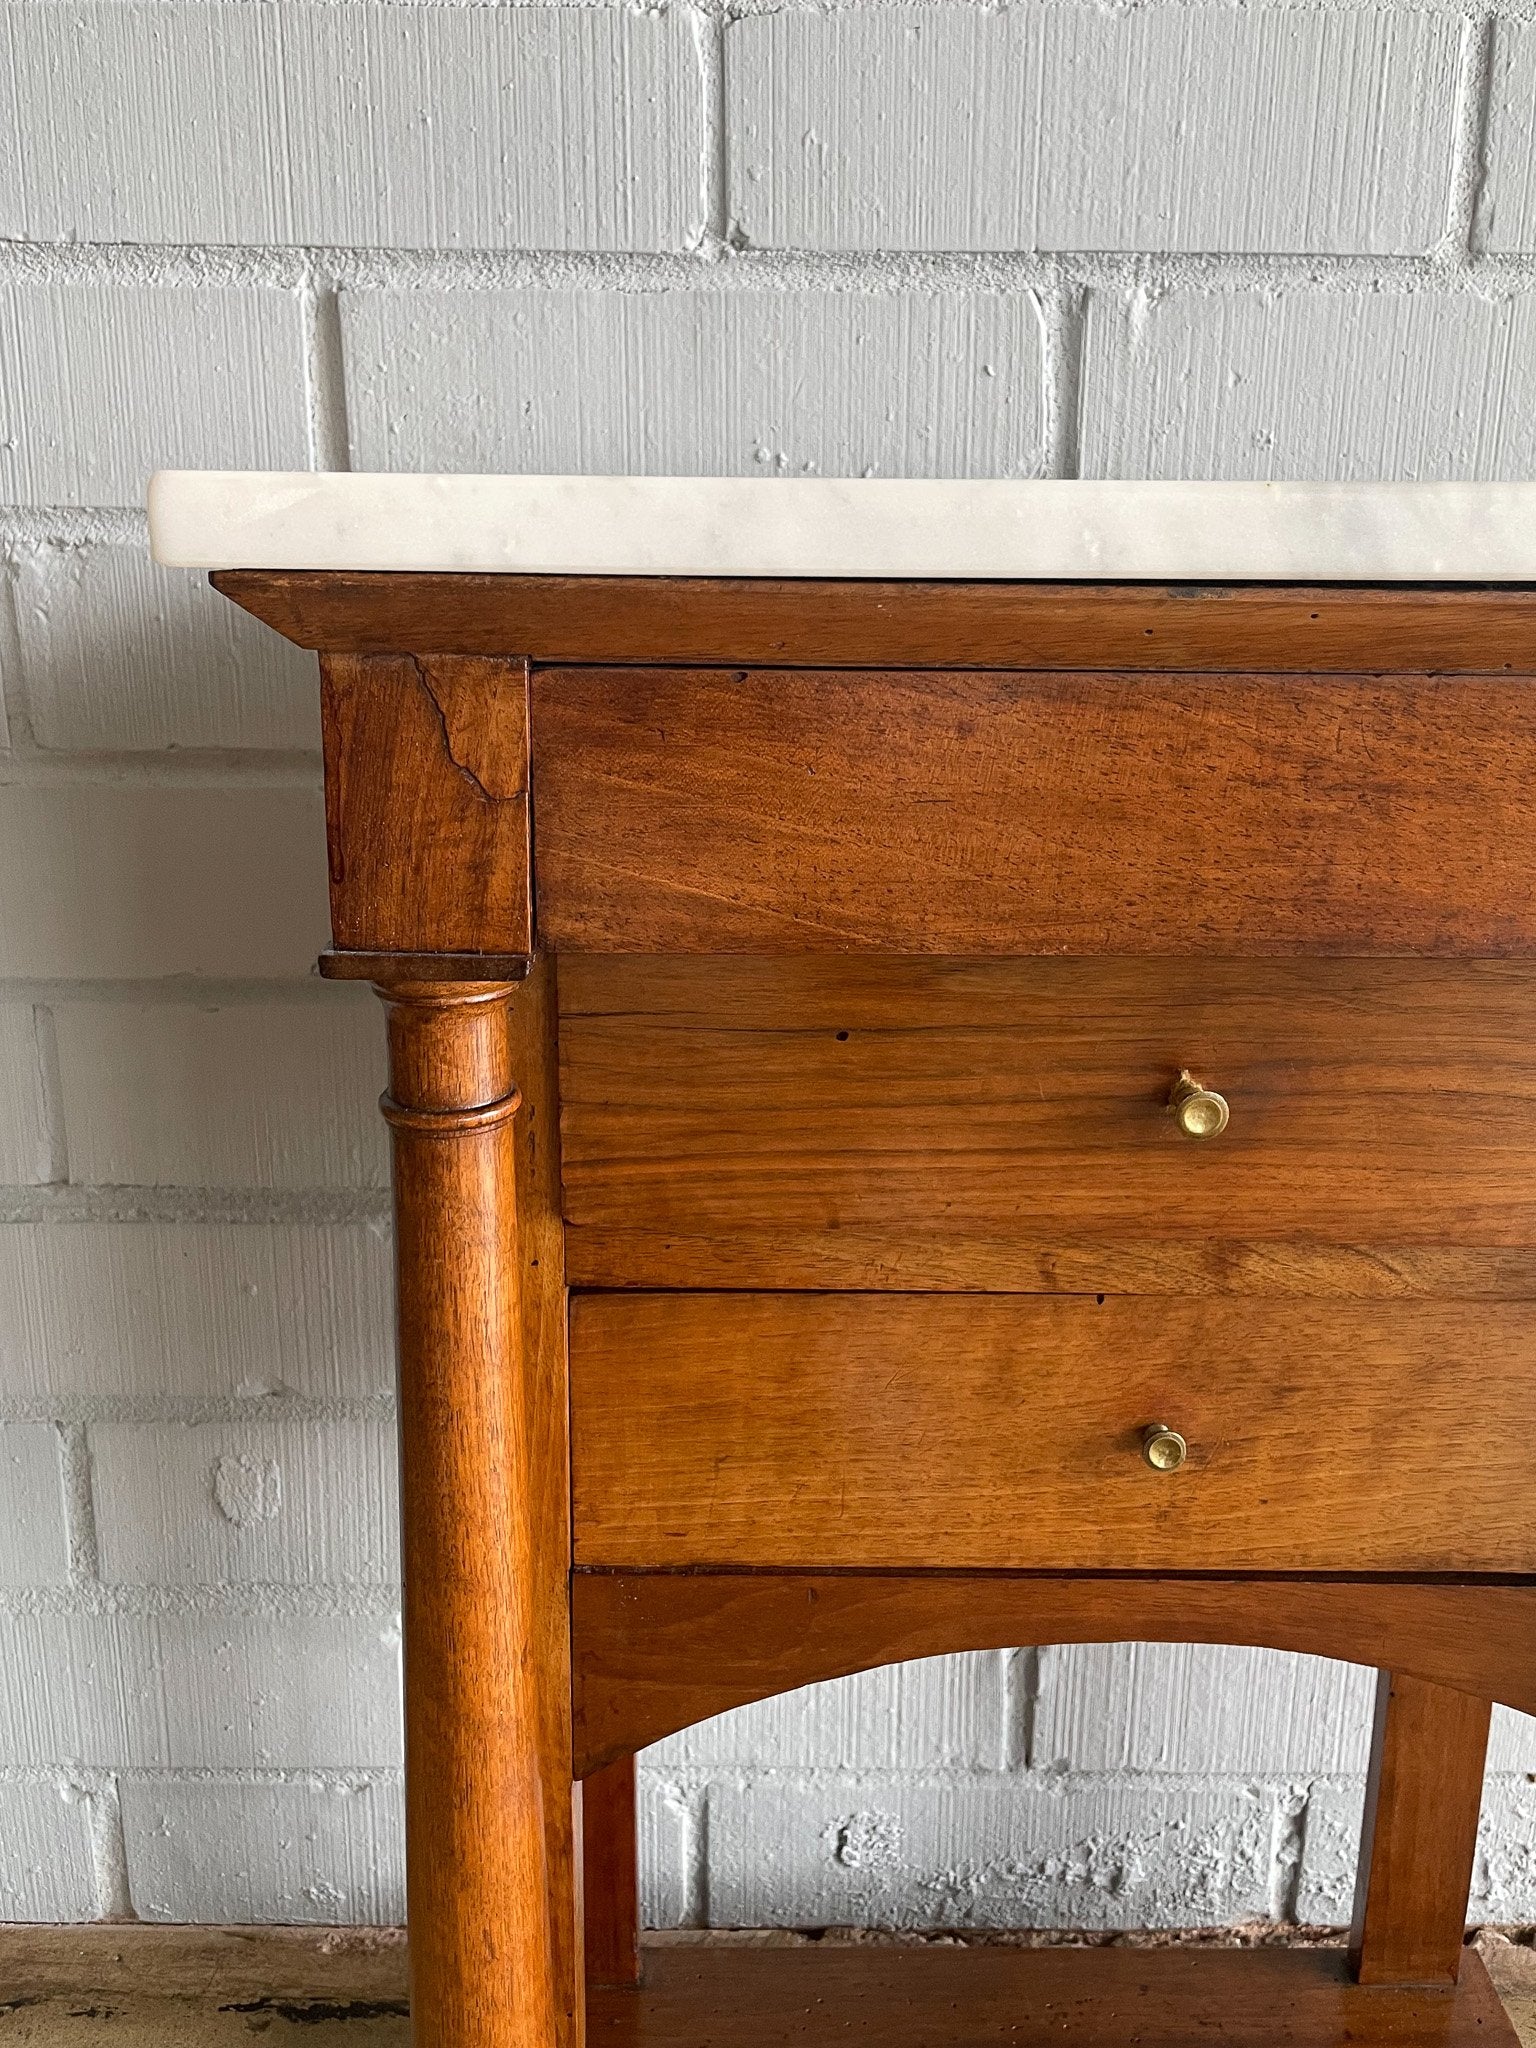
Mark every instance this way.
x=524 y=1678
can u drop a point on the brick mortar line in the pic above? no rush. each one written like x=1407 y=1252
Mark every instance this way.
x=1469 y=156
x=94 y=1777
x=325 y=375
x=109 y=1851
x=882 y=271
x=190 y=991
x=177 y=768
x=25 y=527
x=64 y=1206
x=734 y=10
x=79 y=1501
x=1020 y=1708
x=715 y=236
x=76 y=1413
x=257 y=1600
x=1063 y=310
x=1518 y=12
x=1257 y=1782
x=344 y=1776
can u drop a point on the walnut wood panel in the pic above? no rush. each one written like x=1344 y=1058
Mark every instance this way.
x=865 y=1430
x=1422 y=1798
x=921 y=1123
x=610 y=1873
x=978 y=1997
x=895 y=625
x=700 y=810
x=486 y=1879
x=426 y=784
x=531 y=1026
x=654 y=1652
x=855 y=1259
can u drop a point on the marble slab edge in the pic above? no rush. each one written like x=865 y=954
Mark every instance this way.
x=979 y=529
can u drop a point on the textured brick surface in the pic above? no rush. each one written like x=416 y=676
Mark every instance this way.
x=1181 y=1707
x=875 y=1850
x=200 y=1691
x=269 y=1095
x=940 y=1710
x=45 y=1871
x=115 y=652
x=26 y=1149
x=1309 y=384
x=101 y=383
x=301 y=1502
x=194 y=1310
x=317 y=1851
x=402 y=126
x=1156 y=128
x=111 y=880
x=33 y=1545
x=1509 y=188
x=696 y=383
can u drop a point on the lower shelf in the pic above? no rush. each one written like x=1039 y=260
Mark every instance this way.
x=1034 y=1998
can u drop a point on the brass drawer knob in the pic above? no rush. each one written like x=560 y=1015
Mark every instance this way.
x=1163 y=1448
x=1198 y=1112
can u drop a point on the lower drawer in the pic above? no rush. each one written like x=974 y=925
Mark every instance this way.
x=987 y=1431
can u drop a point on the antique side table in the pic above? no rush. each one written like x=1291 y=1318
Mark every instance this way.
x=950 y=1088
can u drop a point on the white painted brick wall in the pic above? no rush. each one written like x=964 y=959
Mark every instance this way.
x=26 y=1140
x=118 y=879
x=34 y=1541
x=246 y=1686
x=405 y=127
x=1049 y=238
x=103 y=1316
x=1155 y=128
x=1397 y=384
x=252 y=1094
x=691 y=383
x=290 y=1502
x=96 y=378
x=47 y=1872
x=1509 y=195
x=112 y=653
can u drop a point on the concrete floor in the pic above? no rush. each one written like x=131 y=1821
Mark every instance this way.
x=225 y=2009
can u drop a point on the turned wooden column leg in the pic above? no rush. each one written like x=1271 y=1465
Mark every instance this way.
x=611 y=1875
x=1420 y=1835
x=478 y=1885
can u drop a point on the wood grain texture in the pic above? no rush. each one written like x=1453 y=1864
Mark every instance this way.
x=706 y=810
x=658 y=1651
x=1422 y=1798
x=895 y=1997
x=894 y=625
x=426 y=790
x=911 y=1430
x=335 y=965
x=610 y=1869
x=531 y=1025
x=490 y=1930
x=815 y=1122
x=640 y=1258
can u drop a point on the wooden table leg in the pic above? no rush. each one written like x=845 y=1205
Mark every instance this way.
x=1420 y=1836
x=479 y=1885
x=610 y=1875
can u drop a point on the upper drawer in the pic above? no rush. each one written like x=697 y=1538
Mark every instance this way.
x=699 y=810
x=1005 y=1123
x=849 y=1430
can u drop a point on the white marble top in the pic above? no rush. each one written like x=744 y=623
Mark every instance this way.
x=825 y=526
